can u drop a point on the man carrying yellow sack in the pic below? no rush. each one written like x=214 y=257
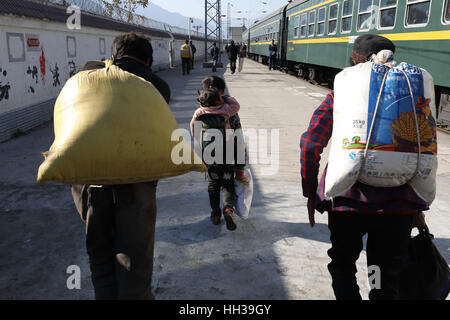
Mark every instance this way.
x=120 y=219
x=186 y=56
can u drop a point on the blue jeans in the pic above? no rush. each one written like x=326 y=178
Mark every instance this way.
x=271 y=62
x=214 y=68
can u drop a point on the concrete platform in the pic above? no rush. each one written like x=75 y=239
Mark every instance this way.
x=209 y=64
x=273 y=255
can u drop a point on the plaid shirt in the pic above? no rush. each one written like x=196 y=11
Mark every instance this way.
x=313 y=141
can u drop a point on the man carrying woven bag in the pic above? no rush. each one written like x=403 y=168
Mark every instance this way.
x=386 y=214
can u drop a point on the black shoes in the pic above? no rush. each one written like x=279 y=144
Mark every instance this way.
x=228 y=214
x=215 y=218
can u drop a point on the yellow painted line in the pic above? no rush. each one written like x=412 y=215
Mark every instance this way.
x=261 y=43
x=411 y=36
x=265 y=25
x=312 y=7
x=428 y=35
x=321 y=40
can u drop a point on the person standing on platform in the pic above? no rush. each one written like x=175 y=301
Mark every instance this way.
x=272 y=55
x=186 y=56
x=193 y=51
x=215 y=52
x=233 y=52
x=242 y=56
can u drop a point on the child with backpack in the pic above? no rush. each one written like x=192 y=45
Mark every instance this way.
x=214 y=113
x=215 y=82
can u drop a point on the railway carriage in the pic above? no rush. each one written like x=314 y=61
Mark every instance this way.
x=262 y=33
x=316 y=37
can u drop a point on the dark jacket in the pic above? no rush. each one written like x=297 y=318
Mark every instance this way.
x=243 y=51
x=137 y=68
x=214 y=53
x=273 y=49
x=232 y=51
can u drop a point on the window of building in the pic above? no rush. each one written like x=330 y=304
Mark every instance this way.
x=347 y=15
x=332 y=18
x=321 y=21
x=303 y=25
x=447 y=12
x=312 y=23
x=364 y=15
x=388 y=13
x=417 y=12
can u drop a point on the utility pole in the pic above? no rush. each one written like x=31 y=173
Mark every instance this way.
x=213 y=24
x=190 y=22
x=229 y=20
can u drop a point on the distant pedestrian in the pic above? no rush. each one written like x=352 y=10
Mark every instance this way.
x=272 y=55
x=186 y=56
x=215 y=52
x=242 y=55
x=193 y=51
x=233 y=52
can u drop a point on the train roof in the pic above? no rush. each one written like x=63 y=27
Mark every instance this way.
x=273 y=14
x=293 y=4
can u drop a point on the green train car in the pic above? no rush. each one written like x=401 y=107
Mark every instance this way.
x=315 y=37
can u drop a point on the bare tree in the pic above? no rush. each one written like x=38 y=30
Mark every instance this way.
x=123 y=9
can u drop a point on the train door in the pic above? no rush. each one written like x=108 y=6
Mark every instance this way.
x=284 y=26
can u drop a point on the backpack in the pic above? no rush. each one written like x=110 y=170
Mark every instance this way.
x=185 y=51
x=211 y=122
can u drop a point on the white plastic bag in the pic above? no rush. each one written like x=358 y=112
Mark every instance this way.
x=244 y=195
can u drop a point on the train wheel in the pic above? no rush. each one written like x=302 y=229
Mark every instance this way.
x=313 y=75
x=300 y=72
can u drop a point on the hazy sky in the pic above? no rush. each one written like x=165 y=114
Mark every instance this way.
x=250 y=9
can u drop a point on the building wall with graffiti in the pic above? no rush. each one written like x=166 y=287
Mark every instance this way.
x=38 y=56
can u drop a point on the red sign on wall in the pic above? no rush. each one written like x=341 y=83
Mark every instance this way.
x=33 y=42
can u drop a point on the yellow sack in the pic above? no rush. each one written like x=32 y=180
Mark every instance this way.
x=112 y=127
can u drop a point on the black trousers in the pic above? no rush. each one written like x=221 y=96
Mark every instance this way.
x=186 y=65
x=388 y=238
x=233 y=65
x=221 y=178
x=120 y=236
x=272 y=62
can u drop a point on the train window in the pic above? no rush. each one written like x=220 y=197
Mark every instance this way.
x=303 y=25
x=417 y=12
x=347 y=15
x=364 y=15
x=321 y=21
x=332 y=18
x=388 y=12
x=296 y=26
x=447 y=12
x=312 y=23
